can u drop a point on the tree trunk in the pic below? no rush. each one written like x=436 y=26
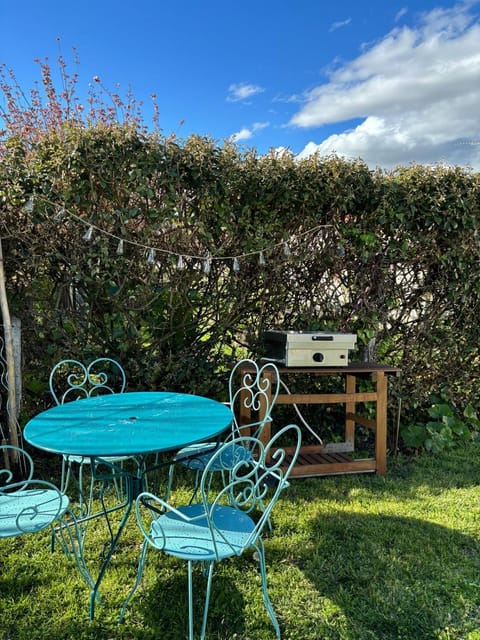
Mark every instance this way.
x=9 y=357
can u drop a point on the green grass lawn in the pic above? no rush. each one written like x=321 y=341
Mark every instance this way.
x=350 y=557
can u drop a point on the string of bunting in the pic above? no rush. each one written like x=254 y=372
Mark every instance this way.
x=152 y=251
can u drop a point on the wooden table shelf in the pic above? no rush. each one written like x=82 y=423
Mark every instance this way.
x=336 y=458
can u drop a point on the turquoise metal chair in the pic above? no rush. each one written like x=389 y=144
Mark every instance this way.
x=73 y=380
x=29 y=505
x=252 y=391
x=221 y=525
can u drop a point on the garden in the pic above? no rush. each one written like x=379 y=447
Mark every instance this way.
x=175 y=257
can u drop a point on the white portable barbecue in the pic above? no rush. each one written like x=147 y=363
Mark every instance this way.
x=308 y=348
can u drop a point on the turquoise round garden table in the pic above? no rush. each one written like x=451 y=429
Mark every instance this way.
x=126 y=424
x=135 y=423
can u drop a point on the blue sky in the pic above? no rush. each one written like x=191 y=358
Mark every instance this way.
x=388 y=81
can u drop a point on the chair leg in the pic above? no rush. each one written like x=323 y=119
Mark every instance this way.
x=65 y=475
x=81 y=498
x=171 y=471
x=263 y=572
x=196 y=487
x=66 y=481
x=90 y=495
x=196 y=483
x=118 y=484
x=190 y=601
x=207 y=600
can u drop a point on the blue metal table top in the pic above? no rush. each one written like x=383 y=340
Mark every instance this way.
x=133 y=423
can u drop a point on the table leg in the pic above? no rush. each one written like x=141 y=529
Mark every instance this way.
x=106 y=562
x=350 y=387
x=141 y=565
x=381 y=424
x=135 y=484
x=71 y=533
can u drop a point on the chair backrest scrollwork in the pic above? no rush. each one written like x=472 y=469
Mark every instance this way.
x=255 y=482
x=16 y=466
x=72 y=380
x=253 y=391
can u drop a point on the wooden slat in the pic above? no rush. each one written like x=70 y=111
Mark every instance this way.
x=366 y=368
x=313 y=461
x=353 y=466
x=326 y=398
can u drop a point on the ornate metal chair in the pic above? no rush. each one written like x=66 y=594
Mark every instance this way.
x=73 y=380
x=221 y=525
x=250 y=387
x=28 y=505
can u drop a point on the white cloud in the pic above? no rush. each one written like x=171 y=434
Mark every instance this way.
x=381 y=144
x=340 y=24
x=242 y=91
x=243 y=134
x=417 y=91
x=246 y=133
x=401 y=13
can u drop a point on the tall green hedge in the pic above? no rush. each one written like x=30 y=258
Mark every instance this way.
x=393 y=257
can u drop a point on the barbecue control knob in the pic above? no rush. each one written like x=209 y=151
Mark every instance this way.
x=318 y=357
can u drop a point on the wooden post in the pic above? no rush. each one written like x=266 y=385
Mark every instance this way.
x=381 y=424
x=350 y=388
x=9 y=356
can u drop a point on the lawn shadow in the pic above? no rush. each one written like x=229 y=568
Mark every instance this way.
x=393 y=577
x=162 y=604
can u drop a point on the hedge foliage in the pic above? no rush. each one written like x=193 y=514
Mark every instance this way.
x=392 y=257
x=174 y=256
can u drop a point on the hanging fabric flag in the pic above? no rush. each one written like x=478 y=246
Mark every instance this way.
x=151 y=256
x=207 y=265
x=261 y=259
x=88 y=234
x=180 y=263
x=286 y=248
x=236 y=265
x=120 y=248
x=28 y=208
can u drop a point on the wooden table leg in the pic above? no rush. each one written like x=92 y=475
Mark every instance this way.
x=350 y=387
x=381 y=424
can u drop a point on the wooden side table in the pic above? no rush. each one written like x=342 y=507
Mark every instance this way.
x=336 y=458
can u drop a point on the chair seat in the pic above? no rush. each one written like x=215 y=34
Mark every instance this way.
x=193 y=540
x=30 y=510
x=196 y=456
